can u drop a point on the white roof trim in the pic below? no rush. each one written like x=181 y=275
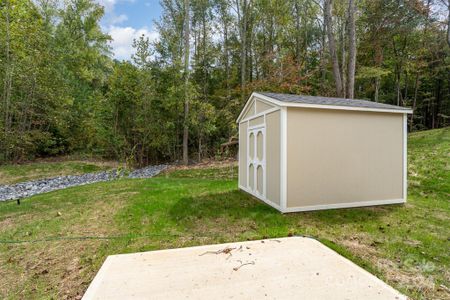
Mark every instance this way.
x=320 y=106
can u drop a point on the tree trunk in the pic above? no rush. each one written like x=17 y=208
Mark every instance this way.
x=397 y=85
x=343 y=55
x=416 y=89
x=399 y=53
x=448 y=24
x=205 y=75
x=377 y=88
x=226 y=51
x=437 y=107
x=249 y=54
x=7 y=83
x=378 y=62
x=322 y=54
x=199 y=156
x=241 y=8
x=186 y=83
x=405 y=96
x=328 y=19
x=351 y=50
x=297 y=35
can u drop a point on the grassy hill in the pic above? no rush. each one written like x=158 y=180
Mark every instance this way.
x=53 y=244
x=10 y=174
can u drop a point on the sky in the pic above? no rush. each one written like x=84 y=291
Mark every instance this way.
x=125 y=20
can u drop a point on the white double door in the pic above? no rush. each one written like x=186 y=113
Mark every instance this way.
x=256 y=158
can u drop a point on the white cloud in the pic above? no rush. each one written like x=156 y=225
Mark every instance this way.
x=118 y=19
x=108 y=5
x=122 y=36
x=122 y=39
x=110 y=16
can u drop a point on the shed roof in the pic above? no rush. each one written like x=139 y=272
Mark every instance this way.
x=290 y=98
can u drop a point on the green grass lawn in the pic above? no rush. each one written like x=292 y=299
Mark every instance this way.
x=10 y=174
x=70 y=232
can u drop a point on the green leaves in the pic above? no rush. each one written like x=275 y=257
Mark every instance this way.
x=371 y=72
x=61 y=91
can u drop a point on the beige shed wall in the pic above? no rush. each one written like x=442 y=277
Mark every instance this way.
x=337 y=156
x=243 y=153
x=273 y=157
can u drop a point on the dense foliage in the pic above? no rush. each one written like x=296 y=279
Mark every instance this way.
x=61 y=91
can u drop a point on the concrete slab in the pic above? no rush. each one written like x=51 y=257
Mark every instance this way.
x=287 y=268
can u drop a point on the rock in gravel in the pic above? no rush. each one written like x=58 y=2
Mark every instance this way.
x=30 y=188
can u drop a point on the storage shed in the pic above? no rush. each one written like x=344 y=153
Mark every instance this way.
x=300 y=153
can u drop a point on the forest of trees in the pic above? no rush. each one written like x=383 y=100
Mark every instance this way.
x=62 y=92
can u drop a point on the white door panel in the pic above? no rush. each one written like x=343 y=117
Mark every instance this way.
x=256 y=180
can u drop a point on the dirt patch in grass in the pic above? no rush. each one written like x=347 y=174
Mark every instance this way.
x=402 y=273
x=223 y=228
x=359 y=244
x=409 y=278
x=7 y=223
x=57 y=269
x=61 y=266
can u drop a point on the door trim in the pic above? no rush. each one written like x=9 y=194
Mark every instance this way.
x=255 y=161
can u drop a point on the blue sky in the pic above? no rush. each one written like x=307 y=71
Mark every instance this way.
x=125 y=20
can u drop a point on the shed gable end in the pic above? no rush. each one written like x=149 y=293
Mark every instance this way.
x=251 y=110
x=255 y=107
x=262 y=106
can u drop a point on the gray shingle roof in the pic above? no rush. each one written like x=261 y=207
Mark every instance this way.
x=290 y=98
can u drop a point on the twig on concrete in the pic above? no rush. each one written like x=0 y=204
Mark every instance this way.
x=243 y=264
x=226 y=250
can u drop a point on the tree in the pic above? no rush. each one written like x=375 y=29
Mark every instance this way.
x=242 y=10
x=352 y=49
x=328 y=19
x=7 y=81
x=61 y=90
x=447 y=3
x=186 y=82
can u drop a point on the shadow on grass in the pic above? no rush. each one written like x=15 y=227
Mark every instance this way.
x=227 y=204
x=225 y=209
x=343 y=216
